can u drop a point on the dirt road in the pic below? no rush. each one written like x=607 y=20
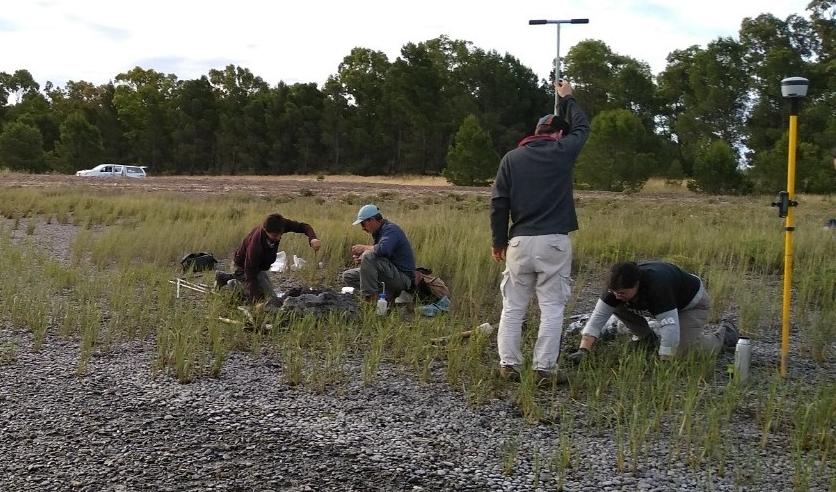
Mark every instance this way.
x=253 y=185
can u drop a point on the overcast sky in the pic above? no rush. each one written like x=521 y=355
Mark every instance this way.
x=304 y=41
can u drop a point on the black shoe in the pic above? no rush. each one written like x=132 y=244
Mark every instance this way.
x=728 y=333
x=221 y=279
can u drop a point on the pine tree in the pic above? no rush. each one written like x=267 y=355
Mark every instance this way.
x=21 y=148
x=471 y=160
x=616 y=157
x=715 y=170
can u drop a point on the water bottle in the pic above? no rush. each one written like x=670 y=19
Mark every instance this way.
x=382 y=304
x=742 y=358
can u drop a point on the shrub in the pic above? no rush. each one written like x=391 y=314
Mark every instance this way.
x=616 y=157
x=471 y=160
x=715 y=170
x=21 y=147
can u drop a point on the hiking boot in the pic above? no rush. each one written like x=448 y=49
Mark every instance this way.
x=508 y=373
x=547 y=379
x=728 y=333
x=221 y=279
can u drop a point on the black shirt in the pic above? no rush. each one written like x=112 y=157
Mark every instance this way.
x=662 y=287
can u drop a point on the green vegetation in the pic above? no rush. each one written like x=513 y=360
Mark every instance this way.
x=114 y=286
x=617 y=157
x=715 y=170
x=21 y=147
x=376 y=116
x=471 y=160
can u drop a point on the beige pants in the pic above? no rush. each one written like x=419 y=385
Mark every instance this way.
x=692 y=319
x=534 y=265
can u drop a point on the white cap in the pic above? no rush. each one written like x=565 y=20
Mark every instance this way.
x=366 y=212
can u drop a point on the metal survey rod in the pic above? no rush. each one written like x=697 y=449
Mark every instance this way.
x=537 y=22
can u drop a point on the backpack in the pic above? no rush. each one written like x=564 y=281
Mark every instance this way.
x=198 y=262
x=431 y=287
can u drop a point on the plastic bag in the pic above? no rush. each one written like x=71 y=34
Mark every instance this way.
x=298 y=263
x=612 y=328
x=280 y=264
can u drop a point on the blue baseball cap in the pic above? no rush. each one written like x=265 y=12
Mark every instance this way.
x=366 y=212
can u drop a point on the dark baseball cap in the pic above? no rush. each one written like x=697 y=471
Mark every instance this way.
x=553 y=121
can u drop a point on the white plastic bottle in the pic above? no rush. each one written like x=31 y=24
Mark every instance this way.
x=742 y=358
x=382 y=304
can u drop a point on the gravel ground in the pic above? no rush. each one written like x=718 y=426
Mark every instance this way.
x=123 y=427
x=120 y=427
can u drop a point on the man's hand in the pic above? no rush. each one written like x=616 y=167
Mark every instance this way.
x=359 y=249
x=315 y=244
x=587 y=341
x=498 y=254
x=563 y=88
x=577 y=357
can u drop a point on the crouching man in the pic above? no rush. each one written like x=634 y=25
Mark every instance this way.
x=676 y=298
x=257 y=252
x=388 y=262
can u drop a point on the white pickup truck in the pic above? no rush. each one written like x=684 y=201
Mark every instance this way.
x=111 y=170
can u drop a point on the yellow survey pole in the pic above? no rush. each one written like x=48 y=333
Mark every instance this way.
x=793 y=88
x=789 y=227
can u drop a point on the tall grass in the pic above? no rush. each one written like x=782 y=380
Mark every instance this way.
x=114 y=288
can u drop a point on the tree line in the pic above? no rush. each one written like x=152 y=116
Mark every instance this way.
x=714 y=115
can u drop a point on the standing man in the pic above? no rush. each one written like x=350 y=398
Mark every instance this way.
x=258 y=251
x=534 y=187
x=676 y=298
x=390 y=261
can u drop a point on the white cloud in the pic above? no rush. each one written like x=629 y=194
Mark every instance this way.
x=64 y=40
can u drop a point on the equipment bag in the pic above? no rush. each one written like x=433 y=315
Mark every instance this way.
x=430 y=286
x=198 y=262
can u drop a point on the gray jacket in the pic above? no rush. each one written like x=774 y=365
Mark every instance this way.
x=534 y=183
